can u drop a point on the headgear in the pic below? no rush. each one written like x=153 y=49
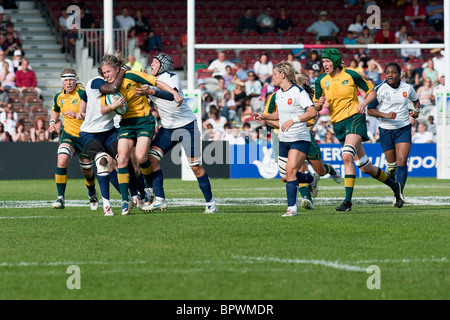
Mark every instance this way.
x=166 y=63
x=334 y=55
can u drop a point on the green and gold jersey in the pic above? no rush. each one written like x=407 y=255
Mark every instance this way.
x=138 y=106
x=63 y=102
x=341 y=92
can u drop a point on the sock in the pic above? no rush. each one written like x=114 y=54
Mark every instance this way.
x=205 y=185
x=291 y=192
x=383 y=177
x=146 y=169
x=329 y=169
x=90 y=185
x=124 y=181
x=103 y=183
x=158 y=187
x=114 y=180
x=140 y=183
x=304 y=177
x=349 y=181
x=402 y=174
x=304 y=191
x=106 y=203
x=61 y=181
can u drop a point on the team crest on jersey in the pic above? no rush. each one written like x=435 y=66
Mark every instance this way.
x=344 y=82
x=290 y=101
x=61 y=101
x=75 y=101
x=405 y=94
x=327 y=84
x=129 y=86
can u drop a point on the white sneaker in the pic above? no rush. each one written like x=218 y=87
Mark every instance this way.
x=290 y=213
x=212 y=208
x=157 y=204
x=337 y=178
x=58 y=204
x=138 y=203
x=307 y=204
x=107 y=211
x=149 y=196
x=93 y=202
x=125 y=208
x=314 y=186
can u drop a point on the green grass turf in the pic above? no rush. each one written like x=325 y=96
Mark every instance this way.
x=246 y=251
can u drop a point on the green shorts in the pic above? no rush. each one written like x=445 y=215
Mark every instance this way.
x=314 y=150
x=75 y=142
x=133 y=128
x=356 y=124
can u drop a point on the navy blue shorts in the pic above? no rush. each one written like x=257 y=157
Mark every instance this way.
x=189 y=136
x=105 y=139
x=300 y=145
x=389 y=138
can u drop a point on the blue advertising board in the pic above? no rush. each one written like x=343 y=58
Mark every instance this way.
x=257 y=161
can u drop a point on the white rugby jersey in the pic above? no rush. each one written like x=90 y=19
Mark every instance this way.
x=394 y=100
x=94 y=121
x=172 y=117
x=293 y=103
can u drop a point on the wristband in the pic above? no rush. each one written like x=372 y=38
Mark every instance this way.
x=296 y=119
x=124 y=67
x=417 y=110
x=52 y=121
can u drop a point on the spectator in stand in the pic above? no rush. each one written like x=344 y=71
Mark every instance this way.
x=385 y=34
x=440 y=86
x=349 y=38
x=218 y=92
x=228 y=106
x=153 y=42
x=243 y=71
x=17 y=60
x=431 y=73
x=438 y=61
x=201 y=85
x=26 y=78
x=62 y=28
x=401 y=34
x=228 y=76
x=356 y=27
x=71 y=42
x=263 y=67
x=295 y=63
x=422 y=135
x=247 y=111
x=374 y=71
x=87 y=20
x=218 y=66
x=426 y=97
x=7 y=79
x=3 y=137
x=312 y=76
x=9 y=121
x=141 y=23
x=431 y=125
x=9 y=27
x=324 y=29
x=253 y=86
x=415 y=14
x=238 y=93
x=314 y=62
x=247 y=22
x=125 y=20
x=435 y=15
x=38 y=129
x=329 y=137
x=410 y=76
x=215 y=119
x=265 y=21
x=18 y=129
x=411 y=53
x=11 y=44
x=300 y=54
x=365 y=37
x=134 y=64
x=283 y=22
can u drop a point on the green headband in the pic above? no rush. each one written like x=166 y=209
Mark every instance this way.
x=334 y=55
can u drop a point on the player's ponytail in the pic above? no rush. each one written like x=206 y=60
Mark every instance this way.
x=301 y=80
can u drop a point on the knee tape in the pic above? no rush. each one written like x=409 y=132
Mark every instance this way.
x=158 y=155
x=102 y=170
x=349 y=149
x=364 y=161
x=65 y=150
x=86 y=166
x=391 y=168
x=282 y=166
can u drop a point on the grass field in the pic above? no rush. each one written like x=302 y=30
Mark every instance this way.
x=247 y=251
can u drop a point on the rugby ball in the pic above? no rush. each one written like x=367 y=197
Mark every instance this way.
x=109 y=99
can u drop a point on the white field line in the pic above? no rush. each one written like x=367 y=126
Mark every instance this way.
x=352 y=266
x=346 y=266
x=251 y=201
